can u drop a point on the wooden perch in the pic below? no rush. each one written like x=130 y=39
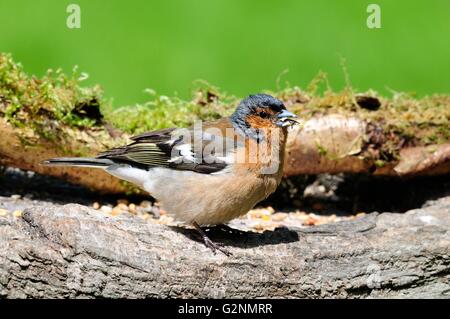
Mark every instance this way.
x=69 y=251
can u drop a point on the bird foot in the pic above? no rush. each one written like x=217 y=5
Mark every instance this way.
x=210 y=244
x=215 y=246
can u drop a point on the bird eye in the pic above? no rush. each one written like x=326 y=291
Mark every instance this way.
x=263 y=114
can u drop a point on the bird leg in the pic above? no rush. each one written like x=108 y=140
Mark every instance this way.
x=209 y=243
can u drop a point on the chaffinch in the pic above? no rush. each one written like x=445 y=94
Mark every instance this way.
x=210 y=173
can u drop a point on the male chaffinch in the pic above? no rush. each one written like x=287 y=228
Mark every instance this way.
x=210 y=173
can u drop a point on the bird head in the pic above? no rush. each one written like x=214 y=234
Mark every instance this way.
x=262 y=111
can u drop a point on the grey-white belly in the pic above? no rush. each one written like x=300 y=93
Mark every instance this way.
x=207 y=199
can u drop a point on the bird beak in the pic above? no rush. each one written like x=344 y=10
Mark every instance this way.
x=286 y=118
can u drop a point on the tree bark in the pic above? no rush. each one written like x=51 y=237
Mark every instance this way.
x=72 y=251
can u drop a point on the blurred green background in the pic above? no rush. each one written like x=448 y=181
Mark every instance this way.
x=240 y=46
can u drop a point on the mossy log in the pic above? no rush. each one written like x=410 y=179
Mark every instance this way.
x=326 y=144
x=342 y=132
x=338 y=144
x=14 y=152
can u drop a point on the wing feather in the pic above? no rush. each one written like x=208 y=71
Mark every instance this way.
x=169 y=148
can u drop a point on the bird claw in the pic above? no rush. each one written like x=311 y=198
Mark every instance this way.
x=209 y=243
x=216 y=246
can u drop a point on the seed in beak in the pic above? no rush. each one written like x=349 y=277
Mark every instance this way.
x=286 y=118
x=286 y=114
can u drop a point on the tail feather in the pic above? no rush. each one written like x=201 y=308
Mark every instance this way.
x=78 y=161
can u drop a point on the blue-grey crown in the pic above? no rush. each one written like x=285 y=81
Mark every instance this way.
x=261 y=100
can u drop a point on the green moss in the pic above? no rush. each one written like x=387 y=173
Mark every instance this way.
x=45 y=104
x=379 y=163
x=163 y=111
x=322 y=150
x=130 y=188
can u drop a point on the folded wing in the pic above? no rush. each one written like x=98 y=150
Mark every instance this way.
x=181 y=149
